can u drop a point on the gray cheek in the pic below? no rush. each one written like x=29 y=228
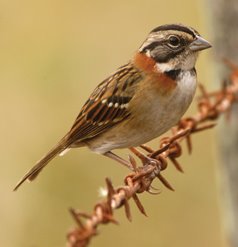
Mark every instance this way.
x=163 y=54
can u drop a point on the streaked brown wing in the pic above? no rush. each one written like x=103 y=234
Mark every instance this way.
x=107 y=105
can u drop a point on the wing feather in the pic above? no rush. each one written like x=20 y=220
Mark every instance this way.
x=107 y=105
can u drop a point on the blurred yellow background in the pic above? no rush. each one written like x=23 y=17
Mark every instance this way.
x=53 y=54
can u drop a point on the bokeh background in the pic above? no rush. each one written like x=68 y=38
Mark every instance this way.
x=53 y=53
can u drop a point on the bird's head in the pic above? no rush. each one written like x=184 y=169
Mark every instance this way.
x=173 y=47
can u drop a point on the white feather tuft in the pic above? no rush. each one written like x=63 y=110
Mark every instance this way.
x=64 y=152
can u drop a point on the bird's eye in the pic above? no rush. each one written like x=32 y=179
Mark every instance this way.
x=174 y=41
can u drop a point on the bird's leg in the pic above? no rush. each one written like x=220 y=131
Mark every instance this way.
x=144 y=158
x=147 y=148
x=117 y=158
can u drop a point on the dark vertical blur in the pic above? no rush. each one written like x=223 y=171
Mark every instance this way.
x=224 y=18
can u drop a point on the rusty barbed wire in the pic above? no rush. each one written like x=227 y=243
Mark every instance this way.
x=154 y=162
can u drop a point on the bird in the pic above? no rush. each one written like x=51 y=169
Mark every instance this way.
x=140 y=101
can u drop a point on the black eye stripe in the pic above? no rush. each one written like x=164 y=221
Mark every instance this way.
x=152 y=45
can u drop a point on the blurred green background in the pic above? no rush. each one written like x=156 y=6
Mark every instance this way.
x=53 y=53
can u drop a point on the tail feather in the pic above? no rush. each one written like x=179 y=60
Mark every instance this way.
x=37 y=168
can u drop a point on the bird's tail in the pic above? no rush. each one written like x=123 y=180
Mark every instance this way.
x=37 y=168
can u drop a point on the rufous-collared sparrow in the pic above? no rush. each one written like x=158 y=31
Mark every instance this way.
x=140 y=101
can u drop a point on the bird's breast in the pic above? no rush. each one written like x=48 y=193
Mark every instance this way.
x=153 y=112
x=159 y=105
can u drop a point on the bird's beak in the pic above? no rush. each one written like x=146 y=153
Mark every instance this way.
x=199 y=44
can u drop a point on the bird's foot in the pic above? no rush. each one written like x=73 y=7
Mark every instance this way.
x=146 y=160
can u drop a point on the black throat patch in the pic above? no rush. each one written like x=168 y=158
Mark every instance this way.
x=175 y=73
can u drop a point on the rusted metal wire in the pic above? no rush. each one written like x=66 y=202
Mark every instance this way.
x=154 y=162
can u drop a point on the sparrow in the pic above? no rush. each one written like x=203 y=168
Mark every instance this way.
x=140 y=101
